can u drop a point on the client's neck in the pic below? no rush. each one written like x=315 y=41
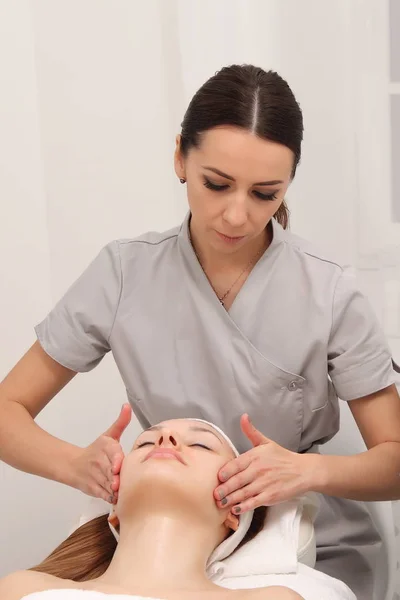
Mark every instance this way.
x=161 y=549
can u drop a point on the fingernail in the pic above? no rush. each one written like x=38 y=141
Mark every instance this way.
x=224 y=501
x=110 y=499
x=237 y=509
x=221 y=494
x=223 y=476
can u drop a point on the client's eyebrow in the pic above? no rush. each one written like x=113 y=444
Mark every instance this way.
x=192 y=428
x=218 y=172
x=197 y=428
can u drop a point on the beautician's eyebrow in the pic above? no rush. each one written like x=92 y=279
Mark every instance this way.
x=218 y=172
x=192 y=428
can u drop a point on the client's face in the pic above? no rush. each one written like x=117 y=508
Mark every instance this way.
x=176 y=462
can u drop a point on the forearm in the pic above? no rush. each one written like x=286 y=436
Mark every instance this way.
x=27 y=447
x=373 y=475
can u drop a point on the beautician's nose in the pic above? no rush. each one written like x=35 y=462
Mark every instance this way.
x=168 y=438
x=236 y=212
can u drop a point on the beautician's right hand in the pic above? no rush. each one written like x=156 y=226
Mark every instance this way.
x=98 y=466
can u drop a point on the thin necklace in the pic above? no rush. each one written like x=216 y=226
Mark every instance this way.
x=226 y=294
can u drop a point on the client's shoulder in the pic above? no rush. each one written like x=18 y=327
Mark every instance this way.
x=19 y=584
x=274 y=592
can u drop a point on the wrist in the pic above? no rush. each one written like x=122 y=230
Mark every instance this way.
x=315 y=470
x=66 y=467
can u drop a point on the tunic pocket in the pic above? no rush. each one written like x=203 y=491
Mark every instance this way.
x=281 y=394
x=273 y=397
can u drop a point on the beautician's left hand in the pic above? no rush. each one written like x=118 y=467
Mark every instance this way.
x=265 y=475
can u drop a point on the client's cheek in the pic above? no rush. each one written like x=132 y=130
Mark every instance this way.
x=129 y=464
x=126 y=475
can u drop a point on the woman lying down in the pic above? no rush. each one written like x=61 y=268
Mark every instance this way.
x=162 y=535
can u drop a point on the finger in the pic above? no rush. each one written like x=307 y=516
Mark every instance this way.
x=106 y=470
x=103 y=480
x=234 y=483
x=234 y=466
x=255 y=436
x=249 y=504
x=109 y=498
x=100 y=492
x=113 y=499
x=105 y=463
x=116 y=462
x=114 y=456
x=115 y=484
x=119 y=426
x=248 y=491
x=102 y=472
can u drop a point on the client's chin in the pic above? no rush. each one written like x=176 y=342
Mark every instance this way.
x=168 y=486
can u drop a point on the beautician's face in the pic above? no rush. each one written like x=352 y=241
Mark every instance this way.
x=224 y=177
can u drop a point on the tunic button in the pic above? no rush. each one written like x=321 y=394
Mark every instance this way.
x=292 y=386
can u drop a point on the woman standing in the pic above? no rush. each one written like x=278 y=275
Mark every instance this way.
x=228 y=314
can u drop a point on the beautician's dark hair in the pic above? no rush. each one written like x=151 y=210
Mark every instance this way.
x=248 y=97
x=88 y=551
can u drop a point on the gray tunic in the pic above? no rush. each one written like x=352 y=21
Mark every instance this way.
x=298 y=336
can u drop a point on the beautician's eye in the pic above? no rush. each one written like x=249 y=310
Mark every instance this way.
x=262 y=196
x=213 y=186
x=145 y=444
x=221 y=188
x=201 y=446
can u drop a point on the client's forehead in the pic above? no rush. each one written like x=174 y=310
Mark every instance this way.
x=184 y=425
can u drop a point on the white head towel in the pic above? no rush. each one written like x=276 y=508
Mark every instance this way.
x=230 y=544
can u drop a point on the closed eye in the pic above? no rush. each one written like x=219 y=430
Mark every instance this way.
x=220 y=188
x=145 y=444
x=201 y=446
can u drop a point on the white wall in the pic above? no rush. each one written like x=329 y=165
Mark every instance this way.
x=92 y=94
x=24 y=245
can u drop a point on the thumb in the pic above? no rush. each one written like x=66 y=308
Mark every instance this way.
x=119 y=426
x=255 y=436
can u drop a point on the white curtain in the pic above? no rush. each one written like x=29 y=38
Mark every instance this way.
x=92 y=95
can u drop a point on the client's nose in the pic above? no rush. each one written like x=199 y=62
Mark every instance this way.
x=168 y=439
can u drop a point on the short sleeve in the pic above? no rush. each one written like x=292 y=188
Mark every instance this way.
x=359 y=359
x=76 y=332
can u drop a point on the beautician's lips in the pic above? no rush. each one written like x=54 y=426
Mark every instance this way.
x=229 y=239
x=165 y=453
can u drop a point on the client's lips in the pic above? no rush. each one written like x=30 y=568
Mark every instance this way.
x=165 y=453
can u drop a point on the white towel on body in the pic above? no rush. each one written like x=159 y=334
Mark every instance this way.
x=309 y=583
x=76 y=594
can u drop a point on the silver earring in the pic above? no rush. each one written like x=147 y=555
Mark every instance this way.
x=182 y=180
